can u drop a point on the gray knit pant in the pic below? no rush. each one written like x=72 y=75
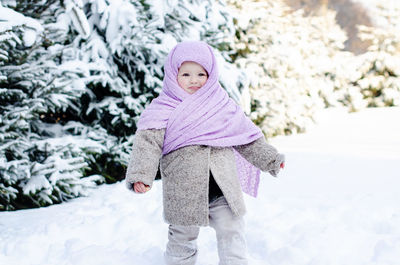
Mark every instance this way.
x=182 y=247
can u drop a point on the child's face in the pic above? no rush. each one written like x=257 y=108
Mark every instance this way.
x=191 y=76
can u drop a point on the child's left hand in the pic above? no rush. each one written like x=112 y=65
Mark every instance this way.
x=280 y=160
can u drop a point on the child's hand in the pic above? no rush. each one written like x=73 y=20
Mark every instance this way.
x=278 y=164
x=140 y=187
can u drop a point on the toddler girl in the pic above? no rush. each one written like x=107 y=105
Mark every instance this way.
x=208 y=151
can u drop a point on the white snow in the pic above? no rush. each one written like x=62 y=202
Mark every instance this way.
x=336 y=203
x=11 y=18
x=78 y=17
x=29 y=37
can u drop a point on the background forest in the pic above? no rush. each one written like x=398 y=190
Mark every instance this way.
x=76 y=74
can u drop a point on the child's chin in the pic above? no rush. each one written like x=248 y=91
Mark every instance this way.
x=190 y=91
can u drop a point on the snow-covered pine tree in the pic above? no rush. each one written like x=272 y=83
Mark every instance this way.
x=38 y=90
x=85 y=72
x=290 y=60
x=378 y=78
x=11 y=35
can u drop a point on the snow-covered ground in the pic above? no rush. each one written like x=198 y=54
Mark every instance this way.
x=336 y=203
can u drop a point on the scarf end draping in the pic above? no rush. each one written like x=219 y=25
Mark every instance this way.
x=249 y=175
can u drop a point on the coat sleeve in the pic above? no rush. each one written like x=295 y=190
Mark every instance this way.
x=145 y=157
x=262 y=155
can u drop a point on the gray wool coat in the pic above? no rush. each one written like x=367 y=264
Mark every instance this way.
x=185 y=174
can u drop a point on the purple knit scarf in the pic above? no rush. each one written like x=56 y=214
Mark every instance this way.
x=206 y=117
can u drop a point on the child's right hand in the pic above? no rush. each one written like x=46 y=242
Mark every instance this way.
x=140 y=187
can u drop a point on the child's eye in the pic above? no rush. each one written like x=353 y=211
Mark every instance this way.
x=202 y=74
x=185 y=74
